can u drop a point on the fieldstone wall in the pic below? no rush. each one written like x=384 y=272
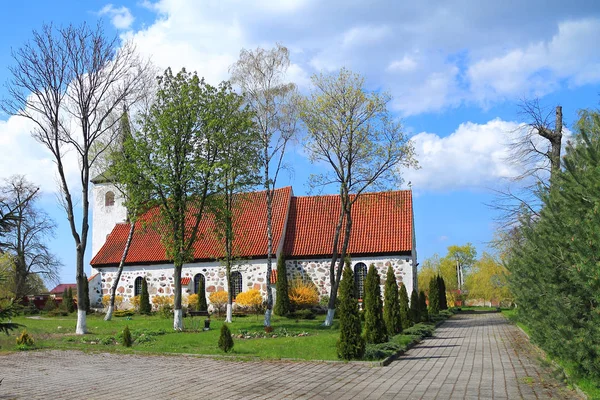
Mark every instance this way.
x=254 y=276
x=318 y=270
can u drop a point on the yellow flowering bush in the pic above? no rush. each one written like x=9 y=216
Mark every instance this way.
x=160 y=302
x=135 y=302
x=192 y=301
x=106 y=301
x=303 y=293
x=218 y=300
x=250 y=299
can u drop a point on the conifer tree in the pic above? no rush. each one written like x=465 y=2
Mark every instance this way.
x=201 y=304
x=225 y=339
x=415 y=307
x=282 y=299
x=434 y=296
x=375 y=331
x=443 y=299
x=65 y=299
x=145 y=307
x=351 y=344
x=391 y=306
x=423 y=307
x=86 y=294
x=404 y=308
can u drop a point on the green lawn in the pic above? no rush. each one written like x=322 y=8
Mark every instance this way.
x=155 y=335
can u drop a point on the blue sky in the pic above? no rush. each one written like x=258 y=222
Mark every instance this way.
x=456 y=72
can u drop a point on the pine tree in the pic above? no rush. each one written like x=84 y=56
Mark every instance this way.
x=225 y=339
x=145 y=307
x=423 y=307
x=434 y=296
x=65 y=300
x=86 y=294
x=201 y=305
x=351 y=344
x=282 y=299
x=70 y=303
x=415 y=307
x=404 y=308
x=375 y=331
x=127 y=339
x=443 y=299
x=391 y=310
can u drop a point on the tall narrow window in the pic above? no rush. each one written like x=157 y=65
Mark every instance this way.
x=236 y=284
x=109 y=199
x=360 y=274
x=197 y=279
x=137 y=290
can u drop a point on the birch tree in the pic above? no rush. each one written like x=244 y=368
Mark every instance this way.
x=70 y=81
x=239 y=158
x=351 y=131
x=173 y=159
x=260 y=74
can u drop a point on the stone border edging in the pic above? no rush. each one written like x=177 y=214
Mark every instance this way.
x=554 y=363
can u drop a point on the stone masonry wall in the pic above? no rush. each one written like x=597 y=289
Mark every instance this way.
x=254 y=276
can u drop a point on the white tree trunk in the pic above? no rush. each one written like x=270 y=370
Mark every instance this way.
x=268 y=317
x=329 y=318
x=109 y=313
x=178 y=320
x=81 y=328
x=229 y=313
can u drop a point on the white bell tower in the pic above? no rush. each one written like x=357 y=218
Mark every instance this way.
x=108 y=210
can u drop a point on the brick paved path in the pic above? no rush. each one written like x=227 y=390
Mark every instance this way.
x=473 y=356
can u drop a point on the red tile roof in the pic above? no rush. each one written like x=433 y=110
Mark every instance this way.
x=273 y=276
x=61 y=288
x=381 y=223
x=250 y=239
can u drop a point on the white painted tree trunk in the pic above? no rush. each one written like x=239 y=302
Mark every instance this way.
x=268 y=317
x=329 y=318
x=178 y=320
x=81 y=328
x=109 y=313
x=229 y=313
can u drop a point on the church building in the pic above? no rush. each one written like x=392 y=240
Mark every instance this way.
x=383 y=234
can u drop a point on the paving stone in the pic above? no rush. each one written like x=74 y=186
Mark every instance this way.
x=478 y=356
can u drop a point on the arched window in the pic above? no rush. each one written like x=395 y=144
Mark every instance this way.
x=197 y=279
x=109 y=199
x=137 y=288
x=360 y=274
x=236 y=284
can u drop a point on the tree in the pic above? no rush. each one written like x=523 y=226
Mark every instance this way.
x=260 y=74
x=225 y=339
x=201 y=305
x=434 y=296
x=86 y=294
x=463 y=257
x=7 y=311
x=173 y=159
x=351 y=131
x=391 y=306
x=423 y=313
x=67 y=302
x=428 y=271
x=27 y=237
x=375 y=331
x=405 y=316
x=69 y=82
x=554 y=264
x=145 y=306
x=351 y=344
x=238 y=145
x=124 y=178
x=415 y=307
x=443 y=299
x=489 y=280
x=282 y=302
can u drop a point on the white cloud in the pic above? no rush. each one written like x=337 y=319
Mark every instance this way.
x=120 y=17
x=473 y=156
x=23 y=155
x=406 y=64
